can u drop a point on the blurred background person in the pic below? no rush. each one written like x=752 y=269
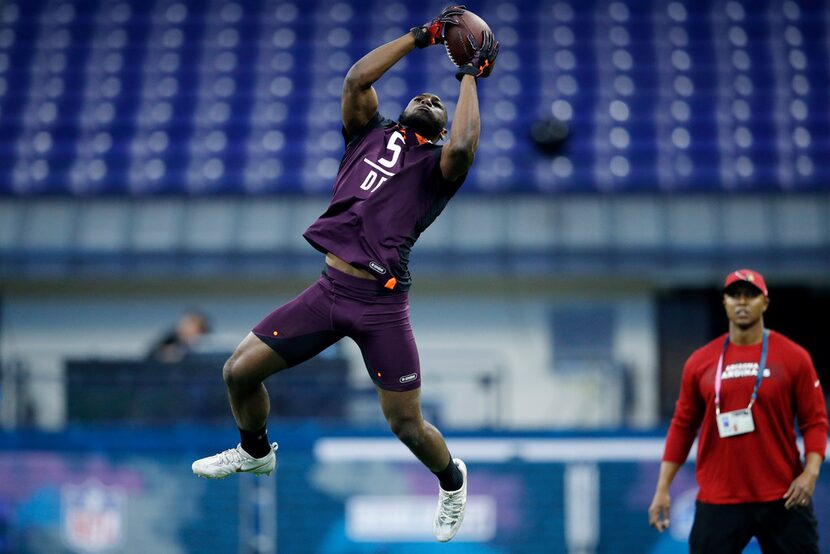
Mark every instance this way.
x=181 y=340
x=745 y=391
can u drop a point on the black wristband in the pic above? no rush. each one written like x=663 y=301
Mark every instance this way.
x=420 y=34
x=467 y=70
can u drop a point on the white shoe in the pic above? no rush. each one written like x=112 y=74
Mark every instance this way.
x=235 y=460
x=450 y=511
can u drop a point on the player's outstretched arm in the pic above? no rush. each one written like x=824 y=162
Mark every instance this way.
x=360 y=101
x=459 y=152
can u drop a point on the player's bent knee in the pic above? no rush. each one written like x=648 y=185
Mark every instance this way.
x=408 y=429
x=228 y=373
x=235 y=375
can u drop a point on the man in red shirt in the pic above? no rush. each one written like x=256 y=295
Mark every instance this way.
x=744 y=391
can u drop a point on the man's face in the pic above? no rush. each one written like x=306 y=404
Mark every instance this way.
x=191 y=327
x=426 y=115
x=745 y=304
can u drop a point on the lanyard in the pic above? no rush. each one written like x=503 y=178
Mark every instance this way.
x=763 y=362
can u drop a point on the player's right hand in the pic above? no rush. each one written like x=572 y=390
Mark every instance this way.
x=658 y=512
x=432 y=32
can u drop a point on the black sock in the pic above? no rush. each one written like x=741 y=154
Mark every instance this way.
x=450 y=477
x=255 y=443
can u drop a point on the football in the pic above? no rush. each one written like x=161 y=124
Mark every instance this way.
x=456 y=42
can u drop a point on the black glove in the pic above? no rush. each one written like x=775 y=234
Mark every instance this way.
x=484 y=58
x=432 y=32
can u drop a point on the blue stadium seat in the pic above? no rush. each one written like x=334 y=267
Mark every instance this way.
x=217 y=97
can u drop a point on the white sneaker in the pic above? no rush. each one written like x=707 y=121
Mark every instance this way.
x=450 y=511
x=235 y=460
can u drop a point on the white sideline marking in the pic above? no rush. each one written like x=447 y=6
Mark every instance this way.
x=343 y=449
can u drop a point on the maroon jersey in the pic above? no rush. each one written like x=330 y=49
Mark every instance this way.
x=389 y=188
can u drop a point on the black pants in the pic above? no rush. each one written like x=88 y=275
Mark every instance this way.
x=728 y=528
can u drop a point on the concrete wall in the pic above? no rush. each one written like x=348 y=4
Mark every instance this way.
x=465 y=332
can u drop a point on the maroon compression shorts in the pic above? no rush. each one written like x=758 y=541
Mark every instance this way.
x=341 y=305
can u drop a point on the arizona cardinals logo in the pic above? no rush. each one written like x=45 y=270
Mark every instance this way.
x=745 y=276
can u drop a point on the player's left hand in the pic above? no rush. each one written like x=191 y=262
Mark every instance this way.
x=485 y=57
x=432 y=32
x=800 y=491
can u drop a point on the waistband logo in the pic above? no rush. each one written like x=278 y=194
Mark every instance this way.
x=377 y=267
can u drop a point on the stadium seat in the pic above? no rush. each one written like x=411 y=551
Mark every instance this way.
x=223 y=97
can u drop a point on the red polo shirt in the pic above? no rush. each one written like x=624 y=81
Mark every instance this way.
x=757 y=466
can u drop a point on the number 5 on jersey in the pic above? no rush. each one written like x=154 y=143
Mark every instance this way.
x=371 y=182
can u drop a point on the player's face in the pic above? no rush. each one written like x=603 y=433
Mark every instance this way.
x=426 y=114
x=744 y=304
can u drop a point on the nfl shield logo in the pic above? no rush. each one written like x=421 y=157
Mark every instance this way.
x=93 y=516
